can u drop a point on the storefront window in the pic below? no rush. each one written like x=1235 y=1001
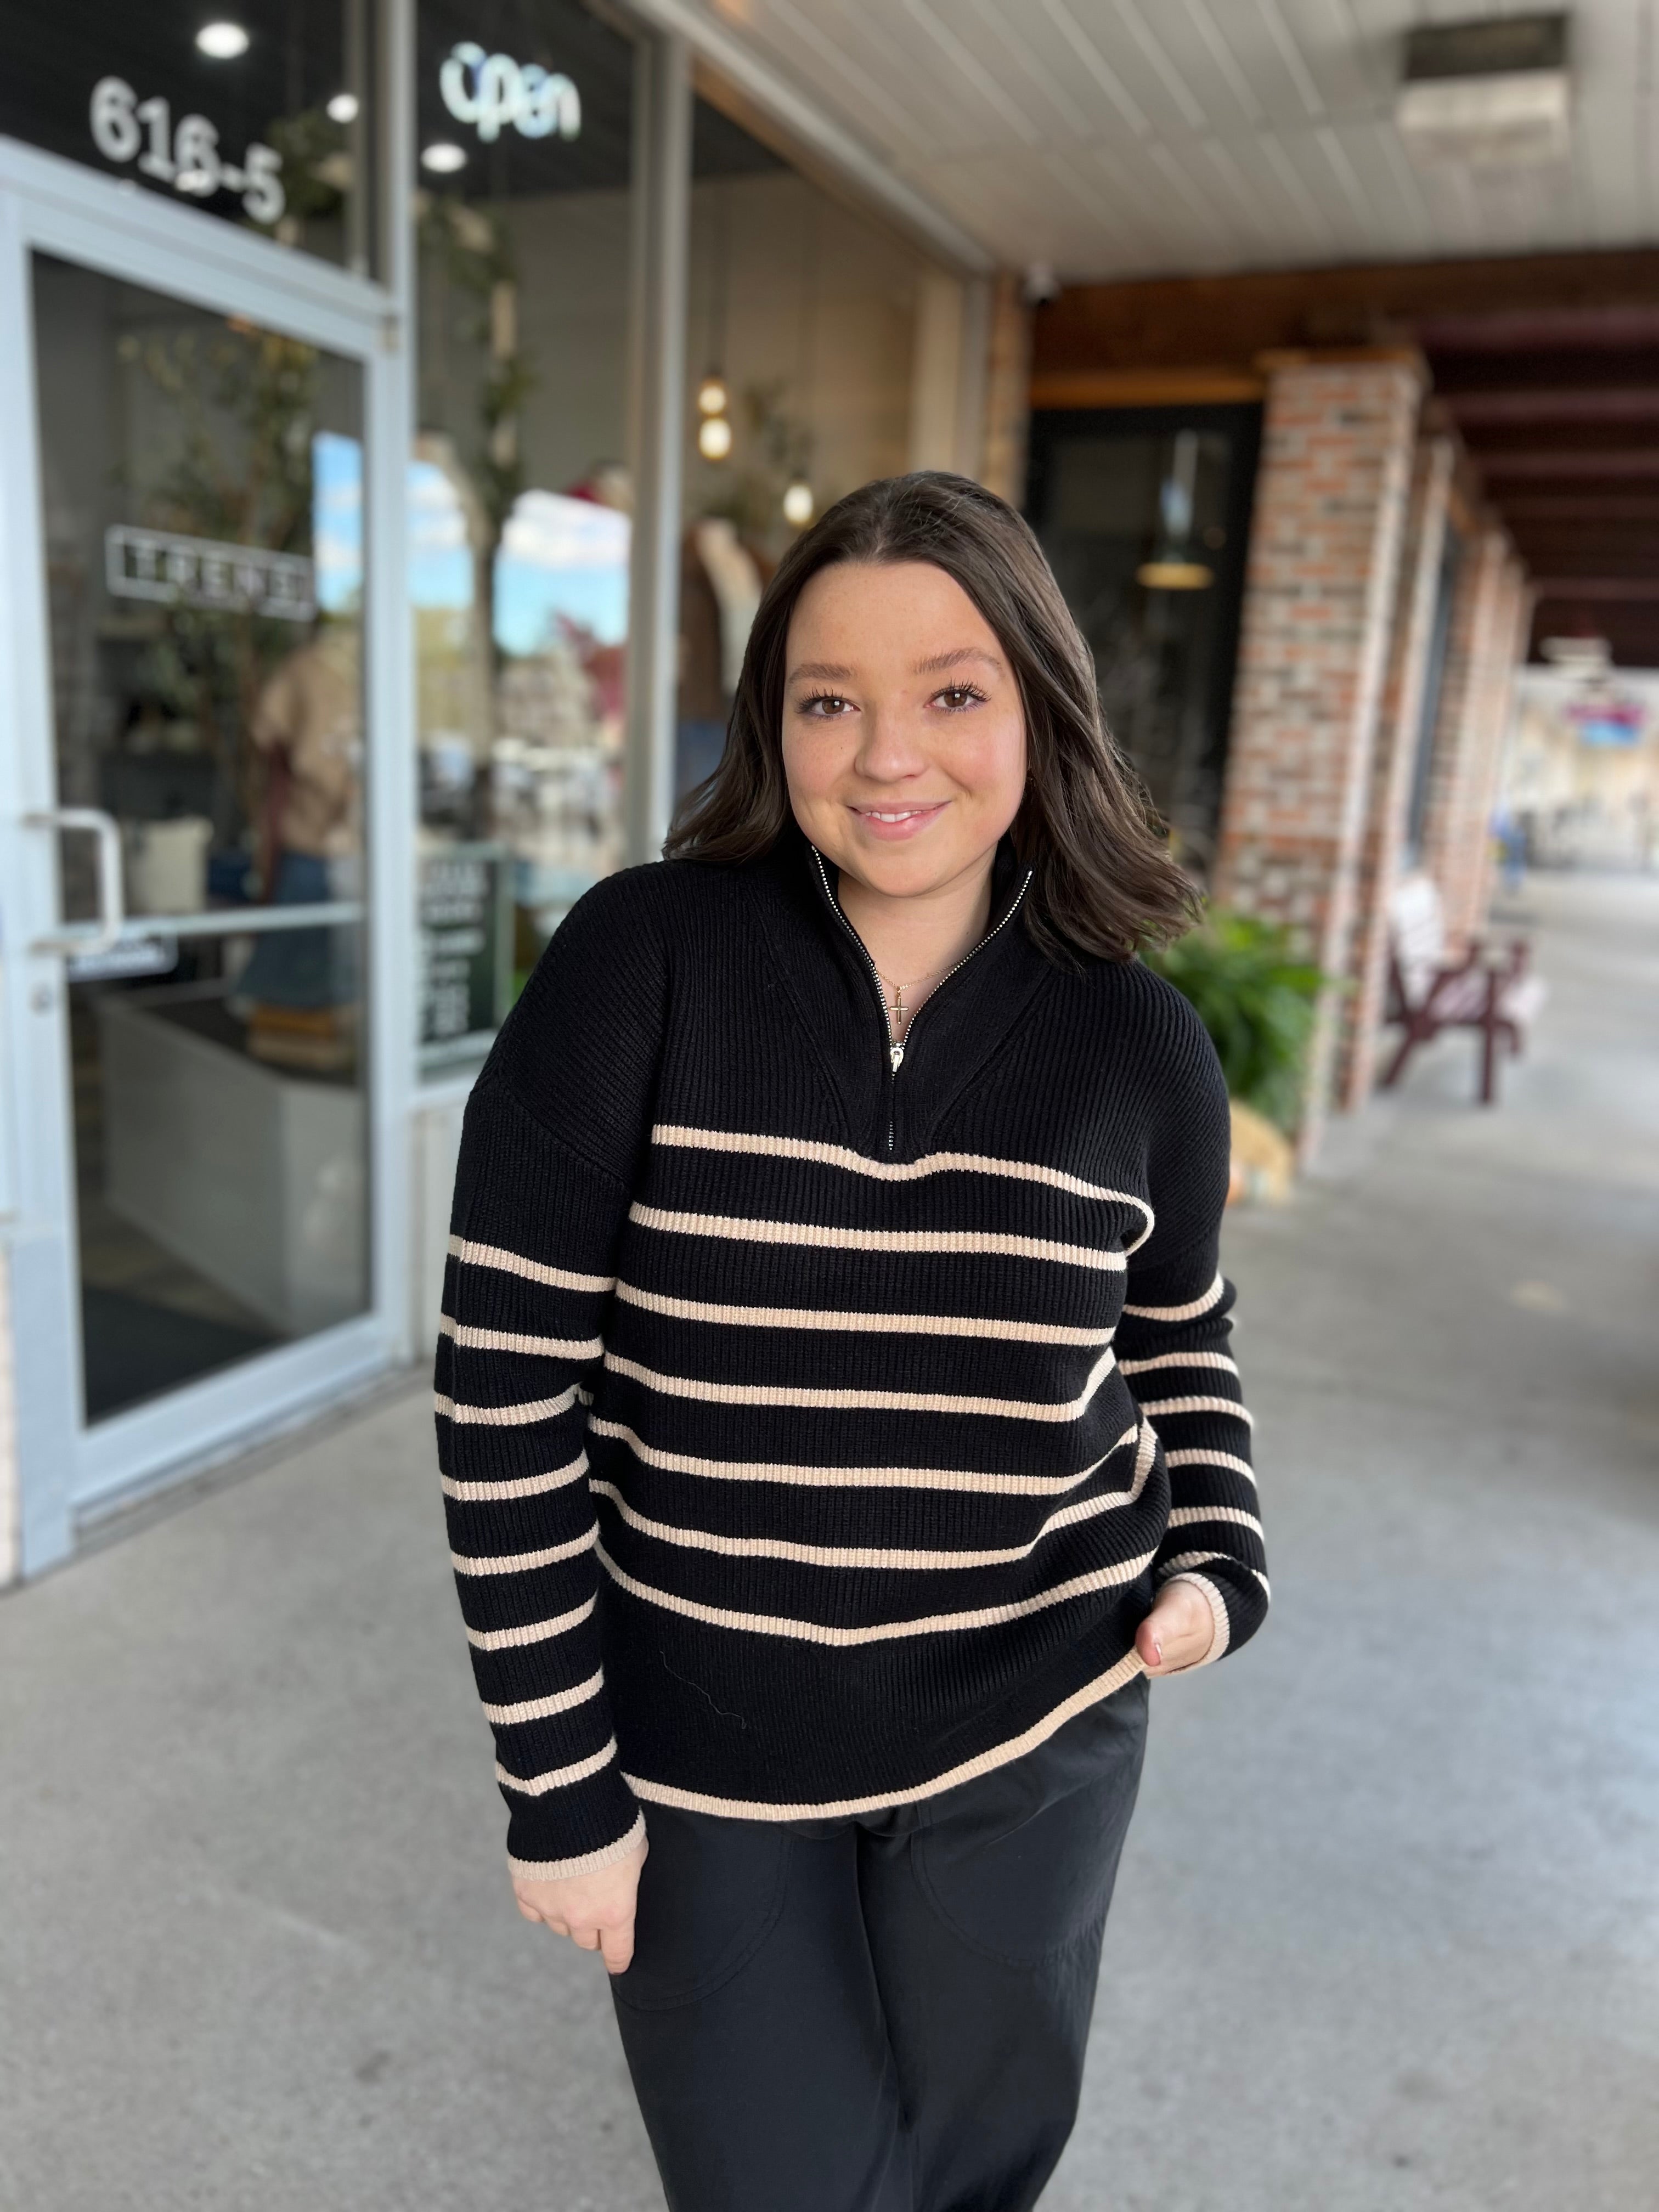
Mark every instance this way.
x=520 y=496
x=800 y=339
x=1145 y=514
x=258 y=115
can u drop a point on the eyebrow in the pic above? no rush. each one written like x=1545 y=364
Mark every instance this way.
x=826 y=671
x=835 y=672
x=942 y=661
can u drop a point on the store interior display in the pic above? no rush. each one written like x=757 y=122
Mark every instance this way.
x=521 y=501
x=801 y=328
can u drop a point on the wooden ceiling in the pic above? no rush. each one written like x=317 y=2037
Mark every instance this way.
x=1546 y=367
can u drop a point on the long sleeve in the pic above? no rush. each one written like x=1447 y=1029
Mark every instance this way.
x=551 y=1138
x=1173 y=1347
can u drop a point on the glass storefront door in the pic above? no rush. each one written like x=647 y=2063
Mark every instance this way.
x=192 y=996
x=202 y=498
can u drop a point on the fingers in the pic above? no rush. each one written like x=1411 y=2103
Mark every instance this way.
x=1177 y=1632
x=617 y=1944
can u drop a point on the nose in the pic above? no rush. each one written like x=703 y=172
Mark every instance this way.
x=889 y=748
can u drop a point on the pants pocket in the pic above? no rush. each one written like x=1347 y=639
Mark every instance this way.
x=1020 y=1864
x=710 y=1894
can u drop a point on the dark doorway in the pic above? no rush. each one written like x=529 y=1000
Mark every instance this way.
x=1145 y=514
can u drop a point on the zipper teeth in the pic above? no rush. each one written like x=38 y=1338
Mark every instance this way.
x=875 y=977
x=870 y=964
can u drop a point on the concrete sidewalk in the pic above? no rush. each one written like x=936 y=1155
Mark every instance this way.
x=1387 y=1932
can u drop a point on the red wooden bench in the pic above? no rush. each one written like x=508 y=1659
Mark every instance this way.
x=1427 y=994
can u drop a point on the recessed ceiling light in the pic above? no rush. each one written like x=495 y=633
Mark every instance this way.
x=343 y=108
x=222 y=42
x=443 y=158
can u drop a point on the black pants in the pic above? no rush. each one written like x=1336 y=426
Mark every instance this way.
x=885 y=2014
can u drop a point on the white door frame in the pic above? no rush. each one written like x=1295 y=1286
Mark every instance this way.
x=71 y=1472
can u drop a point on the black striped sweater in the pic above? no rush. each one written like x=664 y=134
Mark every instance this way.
x=816 y=1421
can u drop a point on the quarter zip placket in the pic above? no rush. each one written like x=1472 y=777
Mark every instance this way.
x=896 y=1048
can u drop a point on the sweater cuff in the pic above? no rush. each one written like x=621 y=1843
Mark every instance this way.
x=589 y=1862
x=1217 y=1606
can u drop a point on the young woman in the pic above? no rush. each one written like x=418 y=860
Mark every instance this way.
x=835 y=1415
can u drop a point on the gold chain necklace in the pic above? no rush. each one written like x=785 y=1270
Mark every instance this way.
x=897 y=989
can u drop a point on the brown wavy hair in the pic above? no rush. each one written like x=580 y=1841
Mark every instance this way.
x=1106 y=882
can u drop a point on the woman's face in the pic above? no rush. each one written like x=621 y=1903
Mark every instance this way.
x=903 y=737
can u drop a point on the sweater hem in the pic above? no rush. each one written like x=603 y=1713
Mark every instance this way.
x=1116 y=1677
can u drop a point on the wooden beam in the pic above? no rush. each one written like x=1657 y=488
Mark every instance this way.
x=1582 y=404
x=1544 y=368
x=1612 y=506
x=1611 y=588
x=1556 y=465
x=1190 y=322
x=1531 y=331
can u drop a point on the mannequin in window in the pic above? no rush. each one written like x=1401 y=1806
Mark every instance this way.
x=301 y=987
x=720 y=584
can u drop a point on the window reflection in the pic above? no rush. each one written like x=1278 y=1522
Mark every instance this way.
x=519 y=502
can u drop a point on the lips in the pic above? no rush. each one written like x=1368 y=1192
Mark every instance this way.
x=888 y=823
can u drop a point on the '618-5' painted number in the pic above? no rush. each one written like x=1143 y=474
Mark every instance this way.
x=188 y=159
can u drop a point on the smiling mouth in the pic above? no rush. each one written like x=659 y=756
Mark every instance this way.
x=898 y=813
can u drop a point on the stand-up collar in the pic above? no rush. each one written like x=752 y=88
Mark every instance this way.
x=958 y=1026
x=1009 y=877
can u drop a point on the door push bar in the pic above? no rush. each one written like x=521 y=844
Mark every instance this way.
x=111 y=903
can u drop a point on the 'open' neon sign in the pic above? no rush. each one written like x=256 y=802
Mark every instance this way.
x=493 y=91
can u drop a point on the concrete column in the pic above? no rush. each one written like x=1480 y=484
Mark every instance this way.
x=1008 y=389
x=1399 y=720
x=1464 y=766
x=661 y=249
x=1332 y=492
x=936 y=371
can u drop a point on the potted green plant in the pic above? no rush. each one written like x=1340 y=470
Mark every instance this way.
x=1257 y=998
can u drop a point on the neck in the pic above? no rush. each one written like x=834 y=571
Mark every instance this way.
x=920 y=936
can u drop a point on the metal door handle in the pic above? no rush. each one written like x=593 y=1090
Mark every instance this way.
x=112 y=903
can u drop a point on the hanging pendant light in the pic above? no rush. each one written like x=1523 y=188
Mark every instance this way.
x=1172 y=568
x=800 y=502
x=715 y=425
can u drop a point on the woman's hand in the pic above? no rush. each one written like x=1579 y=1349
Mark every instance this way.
x=595 y=1910
x=1178 y=1631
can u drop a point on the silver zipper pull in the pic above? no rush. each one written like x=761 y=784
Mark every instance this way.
x=896 y=1054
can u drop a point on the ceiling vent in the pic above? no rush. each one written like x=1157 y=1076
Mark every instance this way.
x=1492 y=95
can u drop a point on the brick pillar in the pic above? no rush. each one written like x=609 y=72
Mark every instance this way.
x=1473 y=698
x=1338 y=441
x=1416 y=599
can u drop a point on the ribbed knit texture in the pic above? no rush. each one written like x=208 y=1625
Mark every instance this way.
x=814 y=1434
